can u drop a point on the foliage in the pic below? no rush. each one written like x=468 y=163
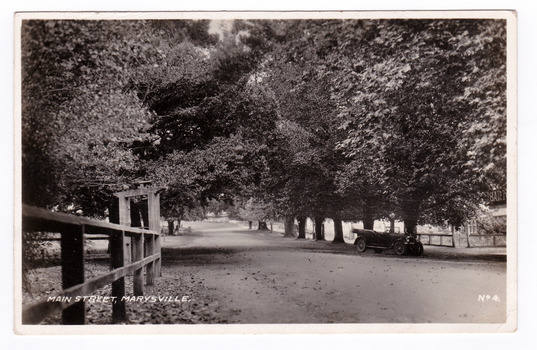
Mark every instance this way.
x=209 y=126
x=302 y=161
x=37 y=249
x=256 y=210
x=217 y=172
x=350 y=119
x=404 y=89
x=488 y=224
x=78 y=121
x=82 y=125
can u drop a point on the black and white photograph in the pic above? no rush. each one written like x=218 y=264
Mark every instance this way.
x=259 y=172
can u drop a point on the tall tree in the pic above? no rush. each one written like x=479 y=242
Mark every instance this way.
x=305 y=160
x=416 y=95
x=78 y=120
x=83 y=109
x=210 y=121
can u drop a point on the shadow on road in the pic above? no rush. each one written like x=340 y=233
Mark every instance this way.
x=218 y=246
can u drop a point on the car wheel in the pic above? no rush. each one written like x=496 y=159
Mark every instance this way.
x=418 y=250
x=399 y=248
x=378 y=251
x=360 y=244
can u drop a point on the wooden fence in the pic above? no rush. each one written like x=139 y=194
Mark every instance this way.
x=438 y=239
x=74 y=230
x=487 y=240
x=463 y=241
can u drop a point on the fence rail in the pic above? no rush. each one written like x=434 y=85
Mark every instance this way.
x=73 y=230
x=470 y=241
x=487 y=240
x=438 y=239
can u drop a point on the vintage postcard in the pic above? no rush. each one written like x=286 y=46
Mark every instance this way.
x=265 y=172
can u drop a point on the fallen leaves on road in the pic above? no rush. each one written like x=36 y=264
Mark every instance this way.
x=184 y=299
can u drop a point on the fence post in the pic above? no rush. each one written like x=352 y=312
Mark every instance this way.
x=158 y=262
x=119 y=311
x=138 y=254
x=125 y=219
x=149 y=250
x=153 y=211
x=72 y=255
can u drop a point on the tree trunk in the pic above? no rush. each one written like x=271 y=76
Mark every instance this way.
x=411 y=210
x=289 y=226
x=319 y=230
x=338 y=231
x=369 y=214
x=170 y=227
x=411 y=227
x=302 y=227
x=249 y=225
x=262 y=225
x=369 y=223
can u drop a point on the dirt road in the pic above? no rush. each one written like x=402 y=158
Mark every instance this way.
x=260 y=277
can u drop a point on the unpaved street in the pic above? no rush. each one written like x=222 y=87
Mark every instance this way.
x=260 y=277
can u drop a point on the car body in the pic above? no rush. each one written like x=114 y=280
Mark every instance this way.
x=379 y=241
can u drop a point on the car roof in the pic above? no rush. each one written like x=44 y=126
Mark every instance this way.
x=359 y=230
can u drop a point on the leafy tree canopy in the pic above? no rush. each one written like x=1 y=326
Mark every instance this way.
x=341 y=118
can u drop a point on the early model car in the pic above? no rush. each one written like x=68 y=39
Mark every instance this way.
x=379 y=241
